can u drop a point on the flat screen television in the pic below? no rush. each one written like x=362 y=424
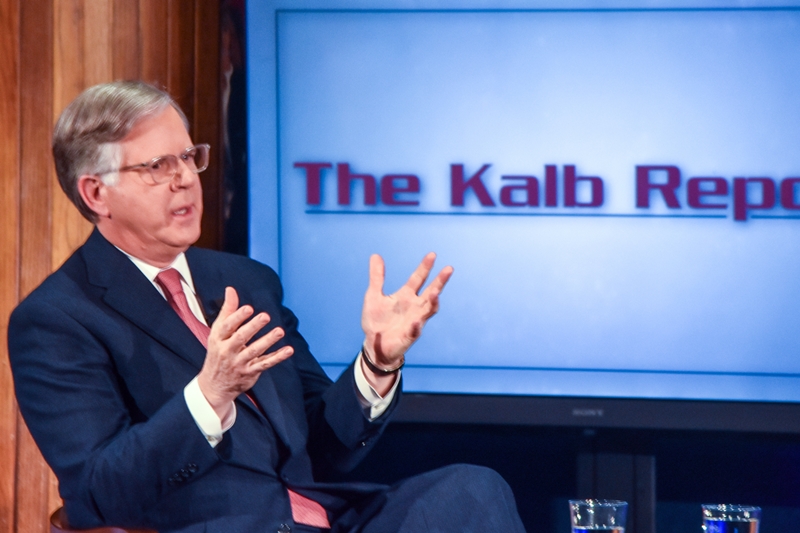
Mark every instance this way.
x=617 y=188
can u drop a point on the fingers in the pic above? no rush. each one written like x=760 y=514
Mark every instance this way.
x=420 y=274
x=264 y=362
x=417 y=279
x=433 y=290
x=376 y=274
x=233 y=331
x=231 y=316
x=245 y=332
x=260 y=345
x=229 y=322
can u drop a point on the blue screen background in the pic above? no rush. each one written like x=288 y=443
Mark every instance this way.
x=618 y=302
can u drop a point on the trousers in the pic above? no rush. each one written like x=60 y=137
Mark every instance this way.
x=454 y=499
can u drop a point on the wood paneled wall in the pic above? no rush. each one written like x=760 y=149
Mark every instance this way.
x=50 y=50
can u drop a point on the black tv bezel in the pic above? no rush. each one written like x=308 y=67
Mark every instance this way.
x=780 y=418
x=620 y=413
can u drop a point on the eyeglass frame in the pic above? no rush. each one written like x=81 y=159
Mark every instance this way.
x=147 y=164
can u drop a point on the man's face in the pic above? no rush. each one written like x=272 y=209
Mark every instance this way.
x=153 y=222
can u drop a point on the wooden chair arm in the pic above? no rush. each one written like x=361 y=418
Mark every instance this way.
x=58 y=524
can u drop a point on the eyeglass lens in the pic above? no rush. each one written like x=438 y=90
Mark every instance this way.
x=165 y=167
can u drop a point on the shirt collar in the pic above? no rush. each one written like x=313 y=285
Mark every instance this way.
x=180 y=264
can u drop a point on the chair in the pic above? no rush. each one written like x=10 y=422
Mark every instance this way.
x=58 y=524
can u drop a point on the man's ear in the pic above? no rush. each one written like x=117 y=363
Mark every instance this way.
x=92 y=191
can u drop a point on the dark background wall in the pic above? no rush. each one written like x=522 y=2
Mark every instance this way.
x=540 y=463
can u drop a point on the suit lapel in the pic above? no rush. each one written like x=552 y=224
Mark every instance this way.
x=131 y=294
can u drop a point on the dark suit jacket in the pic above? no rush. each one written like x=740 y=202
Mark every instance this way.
x=100 y=361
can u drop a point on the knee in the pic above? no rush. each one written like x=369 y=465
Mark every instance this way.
x=477 y=479
x=467 y=471
x=476 y=499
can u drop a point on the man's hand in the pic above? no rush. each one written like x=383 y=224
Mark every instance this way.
x=232 y=366
x=392 y=323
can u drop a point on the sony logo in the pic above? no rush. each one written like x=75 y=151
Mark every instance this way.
x=587 y=412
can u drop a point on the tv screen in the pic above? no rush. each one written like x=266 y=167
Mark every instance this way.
x=617 y=189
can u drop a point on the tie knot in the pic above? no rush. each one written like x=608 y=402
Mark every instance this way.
x=170 y=281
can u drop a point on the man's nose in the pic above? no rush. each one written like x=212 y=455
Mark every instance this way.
x=184 y=176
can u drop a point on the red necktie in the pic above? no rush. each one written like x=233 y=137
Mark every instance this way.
x=170 y=282
x=304 y=510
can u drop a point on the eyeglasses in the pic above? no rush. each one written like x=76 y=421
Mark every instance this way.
x=164 y=168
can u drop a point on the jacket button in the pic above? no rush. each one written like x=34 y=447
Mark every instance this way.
x=191 y=467
x=284 y=529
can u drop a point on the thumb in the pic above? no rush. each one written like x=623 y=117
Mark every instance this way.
x=230 y=304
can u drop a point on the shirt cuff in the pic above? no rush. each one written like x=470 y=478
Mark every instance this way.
x=367 y=397
x=204 y=415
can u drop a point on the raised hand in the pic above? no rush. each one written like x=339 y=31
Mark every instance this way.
x=392 y=323
x=232 y=366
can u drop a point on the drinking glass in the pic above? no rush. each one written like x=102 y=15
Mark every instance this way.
x=598 y=516
x=729 y=518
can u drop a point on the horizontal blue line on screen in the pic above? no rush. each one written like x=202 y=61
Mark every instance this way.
x=401 y=10
x=605 y=370
x=506 y=214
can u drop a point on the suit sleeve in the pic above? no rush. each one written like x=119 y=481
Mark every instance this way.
x=111 y=462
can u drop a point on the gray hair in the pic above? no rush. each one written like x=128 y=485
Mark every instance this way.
x=86 y=136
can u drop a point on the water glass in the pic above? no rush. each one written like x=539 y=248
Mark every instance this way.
x=729 y=518
x=598 y=516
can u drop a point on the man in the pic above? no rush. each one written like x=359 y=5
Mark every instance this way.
x=150 y=418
